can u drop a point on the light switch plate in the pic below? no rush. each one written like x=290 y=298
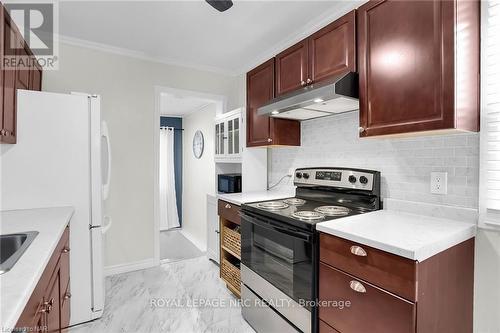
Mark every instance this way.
x=439 y=182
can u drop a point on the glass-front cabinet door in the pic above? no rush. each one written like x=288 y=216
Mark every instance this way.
x=227 y=136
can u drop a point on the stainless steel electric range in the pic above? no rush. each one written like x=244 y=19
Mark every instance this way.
x=279 y=245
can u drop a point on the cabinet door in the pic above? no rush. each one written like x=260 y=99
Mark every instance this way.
x=291 y=68
x=23 y=72
x=233 y=137
x=53 y=304
x=406 y=66
x=219 y=139
x=332 y=50
x=36 y=78
x=11 y=39
x=236 y=136
x=260 y=89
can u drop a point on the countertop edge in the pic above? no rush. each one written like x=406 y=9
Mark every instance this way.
x=420 y=254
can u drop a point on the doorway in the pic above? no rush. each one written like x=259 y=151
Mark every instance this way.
x=177 y=234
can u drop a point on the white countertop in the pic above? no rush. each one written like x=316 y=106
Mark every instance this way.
x=17 y=285
x=412 y=236
x=245 y=197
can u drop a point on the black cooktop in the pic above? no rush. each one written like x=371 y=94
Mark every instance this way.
x=304 y=212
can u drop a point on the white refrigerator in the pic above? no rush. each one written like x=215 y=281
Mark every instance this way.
x=62 y=158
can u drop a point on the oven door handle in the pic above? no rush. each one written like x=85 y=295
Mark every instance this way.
x=270 y=226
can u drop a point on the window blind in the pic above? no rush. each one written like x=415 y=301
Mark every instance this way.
x=489 y=197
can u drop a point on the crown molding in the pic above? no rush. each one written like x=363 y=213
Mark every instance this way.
x=343 y=7
x=141 y=55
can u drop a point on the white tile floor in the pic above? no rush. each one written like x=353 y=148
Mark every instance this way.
x=174 y=246
x=129 y=299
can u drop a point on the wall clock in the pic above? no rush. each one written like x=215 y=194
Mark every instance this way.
x=198 y=144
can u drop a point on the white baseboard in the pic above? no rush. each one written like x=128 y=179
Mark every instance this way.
x=196 y=243
x=129 y=267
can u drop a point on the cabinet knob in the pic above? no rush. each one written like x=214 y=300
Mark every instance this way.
x=2 y=132
x=361 y=129
x=302 y=83
x=308 y=81
x=65 y=250
x=358 y=251
x=357 y=286
x=217 y=231
x=67 y=296
x=6 y=133
x=228 y=206
x=269 y=140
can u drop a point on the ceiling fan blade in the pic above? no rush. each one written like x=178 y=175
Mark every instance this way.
x=220 y=5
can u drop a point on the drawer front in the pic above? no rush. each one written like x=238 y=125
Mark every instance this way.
x=385 y=270
x=325 y=328
x=229 y=211
x=371 y=310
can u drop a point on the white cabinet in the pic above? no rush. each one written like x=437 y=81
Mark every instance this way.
x=229 y=136
x=213 y=240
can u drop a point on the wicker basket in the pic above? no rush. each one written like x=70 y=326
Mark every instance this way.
x=231 y=240
x=231 y=274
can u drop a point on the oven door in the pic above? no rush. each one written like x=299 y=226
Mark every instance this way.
x=278 y=265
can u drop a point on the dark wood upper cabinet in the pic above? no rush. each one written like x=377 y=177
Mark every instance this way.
x=265 y=130
x=260 y=89
x=414 y=58
x=292 y=68
x=13 y=78
x=329 y=52
x=332 y=50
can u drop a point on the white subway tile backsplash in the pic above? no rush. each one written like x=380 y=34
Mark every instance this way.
x=405 y=163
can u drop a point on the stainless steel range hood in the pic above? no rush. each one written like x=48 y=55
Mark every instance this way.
x=333 y=96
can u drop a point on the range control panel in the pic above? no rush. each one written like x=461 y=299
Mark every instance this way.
x=345 y=178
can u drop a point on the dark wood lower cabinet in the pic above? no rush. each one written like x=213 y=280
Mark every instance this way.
x=371 y=309
x=48 y=309
x=443 y=285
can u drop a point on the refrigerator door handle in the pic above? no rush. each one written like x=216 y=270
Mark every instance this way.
x=105 y=136
x=107 y=224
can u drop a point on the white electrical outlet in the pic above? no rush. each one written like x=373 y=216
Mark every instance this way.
x=439 y=182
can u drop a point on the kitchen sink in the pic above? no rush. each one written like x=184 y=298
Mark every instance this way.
x=12 y=247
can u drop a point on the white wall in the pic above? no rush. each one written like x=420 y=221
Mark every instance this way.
x=127 y=88
x=198 y=175
x=406 y=165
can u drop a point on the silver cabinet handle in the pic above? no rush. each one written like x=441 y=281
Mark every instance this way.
x=228 y=206
x=269 y=140
x=66 y=250
x=67 y=296
x=217 y=231
x=2 y=132
x=361 y=129
x=357 y=286
x=358 y=251
x=302 y=83
x=309 y=81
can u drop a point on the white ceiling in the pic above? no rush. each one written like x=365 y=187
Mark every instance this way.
x=191 y=33
x=177 y=105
